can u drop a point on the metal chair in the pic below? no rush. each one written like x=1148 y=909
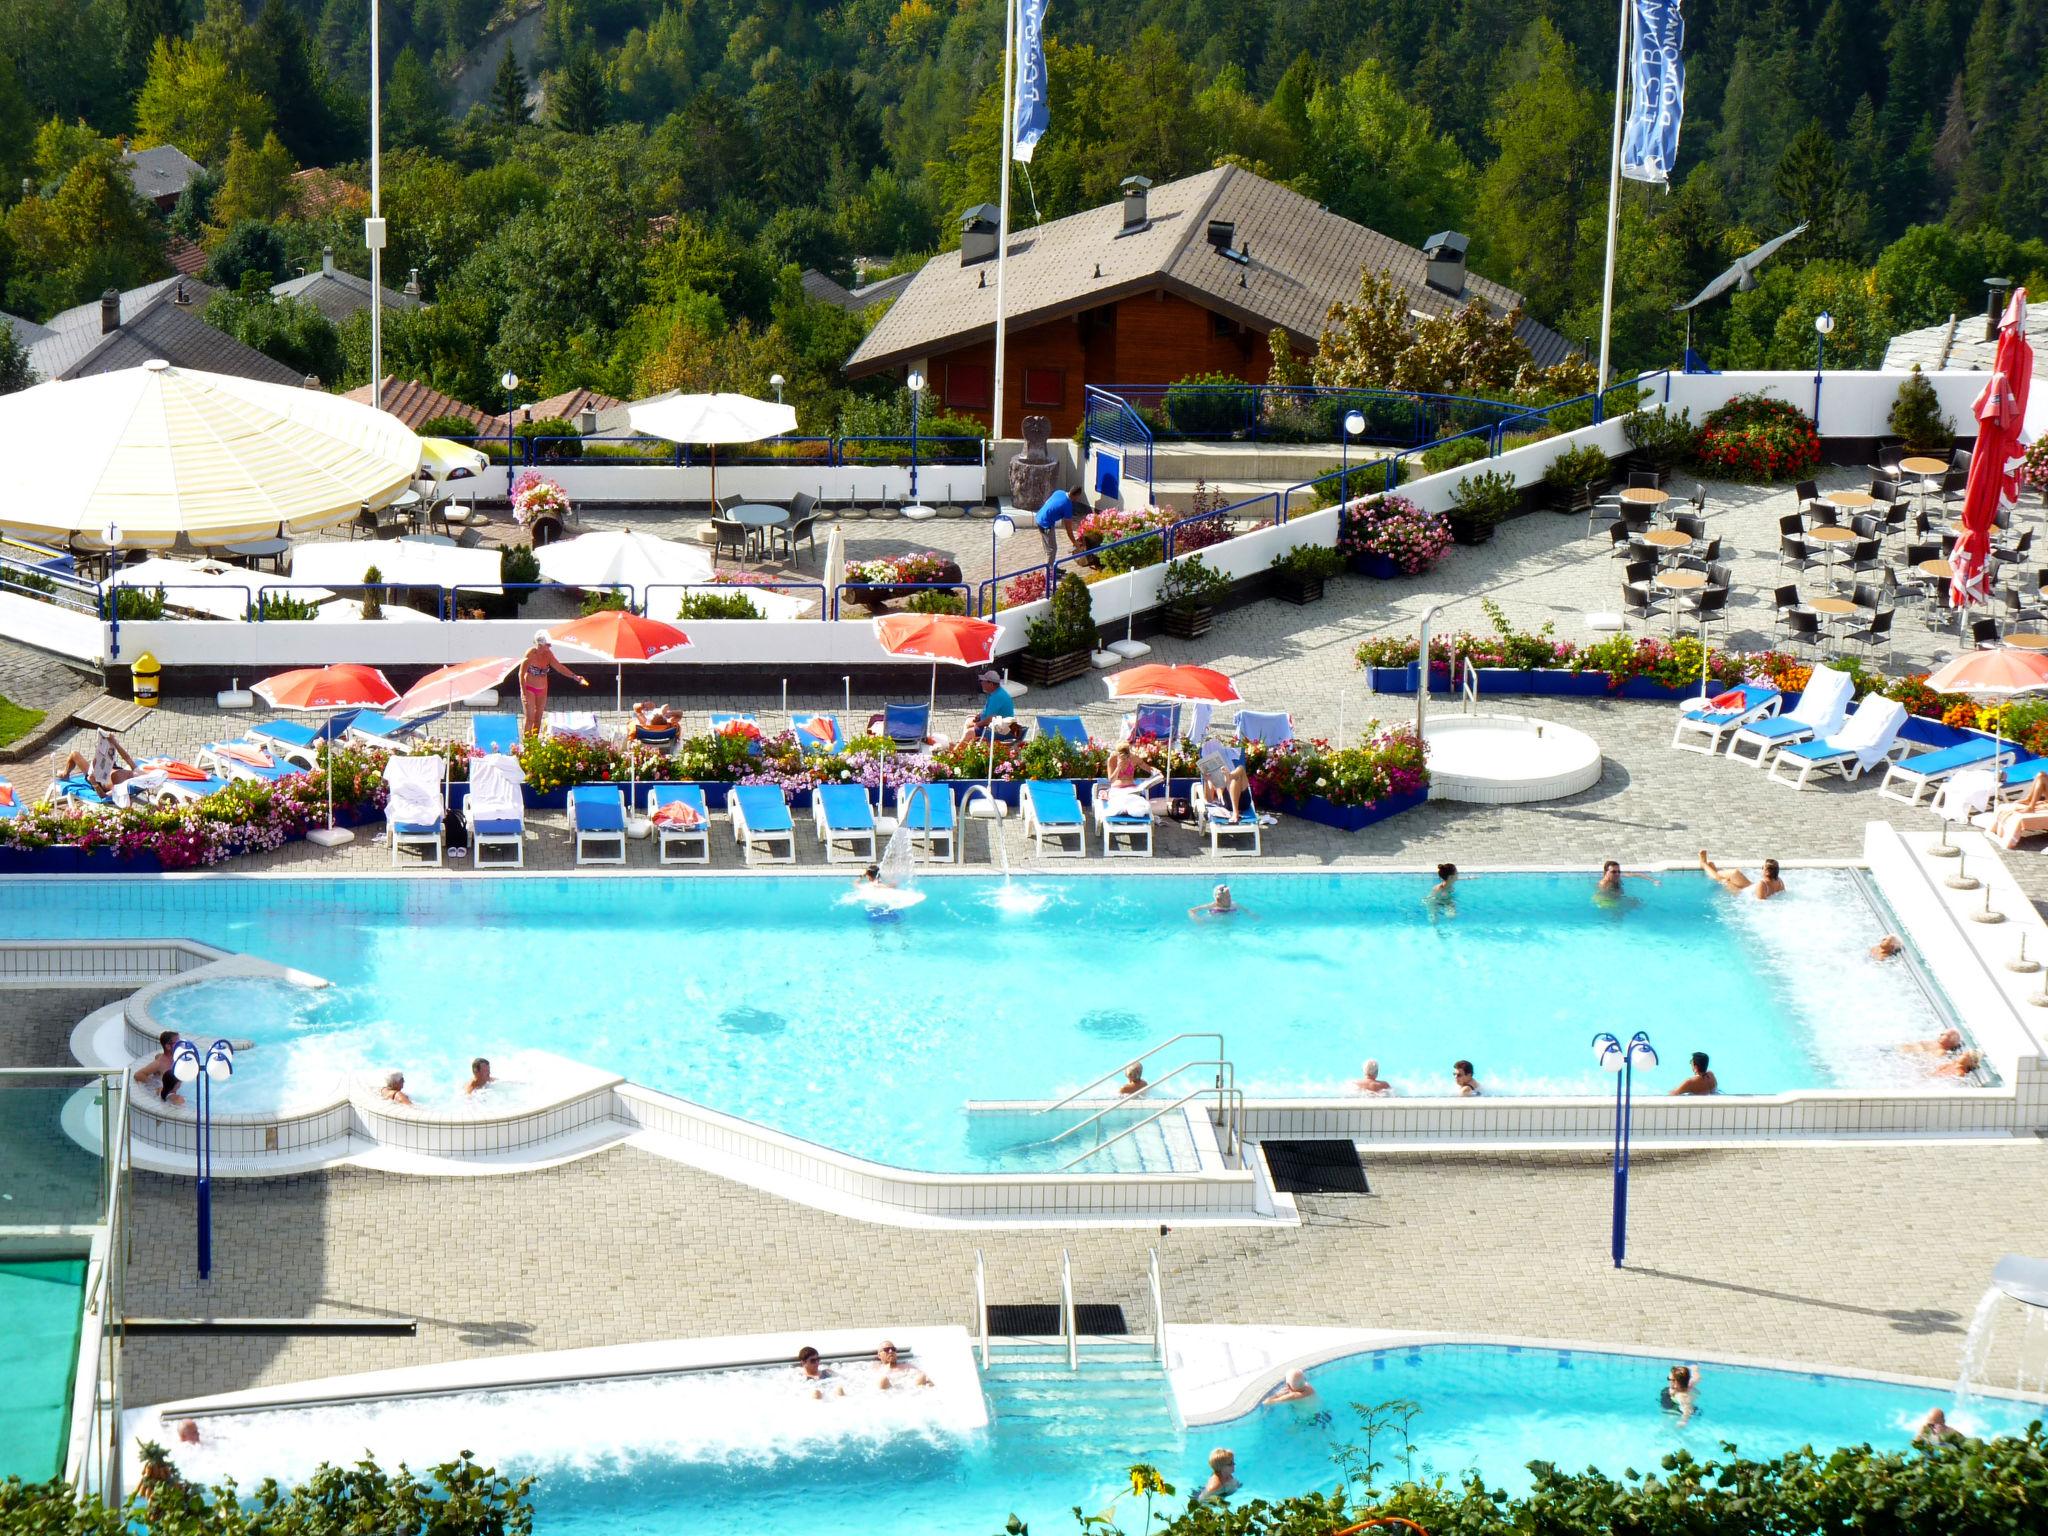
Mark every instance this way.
x=1691 y=525
x=1983 y=632
x=1642 y=480
x=728 y=532
x=1617 y=539
x=1804 y=494
x=1877 y=632
x=1707 y=605
x=1802 y=627
x=1638 y=599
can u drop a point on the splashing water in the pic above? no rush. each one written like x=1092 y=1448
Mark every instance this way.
x=2029 y=1351
x=1977 y=1343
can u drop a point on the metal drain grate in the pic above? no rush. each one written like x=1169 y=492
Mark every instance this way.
x=1315 y=1167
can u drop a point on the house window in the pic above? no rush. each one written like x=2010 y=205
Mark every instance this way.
x=1221 y=326
x=1045 y=386
x=967 y=386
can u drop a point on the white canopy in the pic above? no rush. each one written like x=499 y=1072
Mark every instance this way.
x=620 y=557
x=420 y=562
x=197 y=586
x=159 y=452
x=712 y=418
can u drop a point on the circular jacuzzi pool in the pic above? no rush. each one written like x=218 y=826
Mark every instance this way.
x=1508 y=759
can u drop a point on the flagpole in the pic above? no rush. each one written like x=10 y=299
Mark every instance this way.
x=1613 y=197
x=1003 y=221
x=373 y=227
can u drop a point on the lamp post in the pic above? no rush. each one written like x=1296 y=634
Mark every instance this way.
x=510 y=381
x=1823 y=328
x=112 y=535
x=203 y=1069
x=1621 y=1060
x=998 y=531
x=775 y=382
x=916 y=383
x=1354 y=423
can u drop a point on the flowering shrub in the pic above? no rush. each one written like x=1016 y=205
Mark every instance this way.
x=1382 y=765
x=535 y=496
x=2034 y=466
x=1028 y=588
x=1756 y=437
x=901 y=570
x=1396 y=528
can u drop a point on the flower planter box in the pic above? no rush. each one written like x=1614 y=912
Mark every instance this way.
x=1298 y=590
x=1470 y=531
x=1379 y=567
x=1049 y=671
x=1533 y=681
x=1349 y=818
x=75 y=861
x=1188 y=623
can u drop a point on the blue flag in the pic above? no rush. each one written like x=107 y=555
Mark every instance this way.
x=1649 y=144
x=1032 y=111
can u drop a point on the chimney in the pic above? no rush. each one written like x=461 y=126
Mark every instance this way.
x=327 y=260
x=110 y=311
x=1443 y=255
x=1136 y=216
x=412 y=284
x=978 y=228
x=1995 y=290
x=1221 y=233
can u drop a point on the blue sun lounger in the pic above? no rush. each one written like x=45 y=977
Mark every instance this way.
x=720 y=722
x=1052 y=814
x=298 y=741
x=1069 y=728
x=494 y=733
x=907 y=725
x=926 y=812
x=237 y=760
x=669 y=835
x=1910 y=778
x=845 y=819
x=597 y=815
x=9 y=806
x=1128 y=827
x=1760 y=701
x=374 y=728
x=760 y=821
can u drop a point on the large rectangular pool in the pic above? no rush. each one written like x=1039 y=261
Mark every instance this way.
x=783 y=1000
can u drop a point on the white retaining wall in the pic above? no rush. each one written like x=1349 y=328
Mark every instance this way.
x=666 y=484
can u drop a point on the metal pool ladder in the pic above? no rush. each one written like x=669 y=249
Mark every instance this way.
x=1229 y=1098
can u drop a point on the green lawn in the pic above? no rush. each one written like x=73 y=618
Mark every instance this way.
x=16 y=722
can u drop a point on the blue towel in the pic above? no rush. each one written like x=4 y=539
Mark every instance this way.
x=599 y=808
x=763 y=808
x=416 y=828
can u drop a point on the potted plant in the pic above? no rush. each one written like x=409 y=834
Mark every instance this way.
x=1917 y=420
x=1659 y=439
x=1391 y=536
x=1575 y=477
x=1480 y=503
x=1299 y=574
x=373 y=593
x=1189 y=592
x=1058 y=643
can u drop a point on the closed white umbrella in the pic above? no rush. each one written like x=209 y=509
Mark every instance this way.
x=619 y=557
x=712 y=419
x=835 y=567
x=169 y=453
x=768 y=602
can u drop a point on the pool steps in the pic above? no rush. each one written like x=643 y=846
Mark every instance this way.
x=1120 y=1398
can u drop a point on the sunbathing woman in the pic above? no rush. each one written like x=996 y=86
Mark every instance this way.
x=2009 y=823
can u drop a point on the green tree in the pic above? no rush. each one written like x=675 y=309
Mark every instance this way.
x=1374 y=156
x=194 y=98
x=294 y=333
x=807 y=237
x=68 y=57
x=91 y=234
x=1812 y=184
x=59 y=145
x=16 y=371
x=1772 y=326
x=256 y=185
x=507 y=100
x=250 y=249
x=704 y=154
x=415 y=108
x=578 y=100
x=17 y=129
x=281 y=65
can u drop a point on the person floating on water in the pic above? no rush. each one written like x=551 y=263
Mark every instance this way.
x=1735 y=882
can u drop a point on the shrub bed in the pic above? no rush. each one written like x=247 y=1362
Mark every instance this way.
x=1757 y=437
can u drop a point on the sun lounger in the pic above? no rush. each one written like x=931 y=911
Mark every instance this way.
x=673 y=831
x=927 y=813
x=9 y=806
x=907 y=725
x=721 y=723
x=1820 y=712
x=1269 y=728
x=1161 y=722
x=845 y=819
x=495 y=812
x=1119 y=822
x=494 y=733
x=414 y=810
x=165 y=781
x=597 y=815
x=246 y=760
x=374 y=728
x=1911 y=778
x=2019 y=774
x=1704 y=724
x=581 y=724
x=1069 y=728
x=1052 y=814
x=1868 y=737
x=76 y=789
x=760 y=821
x=817 y=733
x=295 y=740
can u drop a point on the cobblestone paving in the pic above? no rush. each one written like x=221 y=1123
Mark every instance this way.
x=1869 y=1257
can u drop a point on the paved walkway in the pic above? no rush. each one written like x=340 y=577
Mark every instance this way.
x=1870 y=1257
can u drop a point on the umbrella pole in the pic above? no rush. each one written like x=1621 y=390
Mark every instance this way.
x=330 y=836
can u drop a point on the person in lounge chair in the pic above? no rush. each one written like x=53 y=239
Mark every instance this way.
x=540 y=659
x=393 y=1091
x=997 y=719
x=1128 y=792
x=1735 y=882
x=479 y=1075
x=110 y=763
x=1681 y=1392
x=157 y=1069
x=1226 y=782
x=885 y=1357
x=1947 y=1043
x=656 y=725
x=1462 y=1075
x=1701 y=1081
x=2011 y=823
x=1372 y=1082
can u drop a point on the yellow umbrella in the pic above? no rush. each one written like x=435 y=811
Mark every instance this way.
x=443 y=459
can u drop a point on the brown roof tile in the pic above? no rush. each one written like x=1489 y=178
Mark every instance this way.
x=413 y=403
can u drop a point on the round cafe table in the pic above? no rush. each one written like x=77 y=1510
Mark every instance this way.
x=1681 y=580
x=1833 y=607
x=1924 y=467
x=1940 y=570
x=1666 y=540
x=1644 y=496
x=2026 y=642
x=1831 y=537
x=1849 y=501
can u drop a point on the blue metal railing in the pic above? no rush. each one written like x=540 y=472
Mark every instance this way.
x=1111 y=420
x=1300 y=413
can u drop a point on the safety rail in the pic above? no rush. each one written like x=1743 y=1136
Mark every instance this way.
x=1158 y=1309
x=553 y=452
x=981 y=1304
x=1301 y=413
x=1226 y=1080
x=44 y=583
x=1069 y=1325
x=1108 y=418
x=1229 y=1109
x=1422 y=672
x=1186 y=1034
x=1468 y=687
x=687 y=589
x=898 y=588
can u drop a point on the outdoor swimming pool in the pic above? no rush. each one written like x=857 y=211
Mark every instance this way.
x=663 y=1455
x=774 y=999
x=40 y=1302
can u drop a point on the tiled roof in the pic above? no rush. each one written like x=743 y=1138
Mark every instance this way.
x=164 y=171
x=1958 y=345
x=186 y=259
x=195 y=294
x=826 y=291
x=338 y=294
x=317 y=192
x=159 y=329
x=1303 y=258
x=27 y=332
x=565 y=405
x=413 y=403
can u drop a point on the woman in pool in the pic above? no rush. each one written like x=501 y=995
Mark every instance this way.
x=479 y=1075
x=394 y=1090
x=1222 y=1476
x=1134 y=1080
x=1681 y=1392
x=815 y=1372
x=1960 y=1066
x=1221 y=904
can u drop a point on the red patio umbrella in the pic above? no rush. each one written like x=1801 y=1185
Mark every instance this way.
x=1184 y=685
x=2000 y=409
x=327 y=691
x=449 y=686
x=949 y=637
x=619 y=635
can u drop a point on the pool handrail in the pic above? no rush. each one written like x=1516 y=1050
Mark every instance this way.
x=1068 y=1323
x=1232 y=1096
x=1186 y=1034
x=981 y=1304
x=1158 y=1309
x=1226 y=1082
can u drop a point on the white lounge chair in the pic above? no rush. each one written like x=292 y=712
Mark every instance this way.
x=1212 y=808
x=760 y=823
x=495 y=812
x=597 y=815
x=845 y=819
x=1118 y=821
x=1271 y=727
x=1911 y=778
x=1052 y=815
x=1713 y=720
x=680 y=839
x=1819 y=712
x=1868 y=737
x=926 y=813
x=414 y=809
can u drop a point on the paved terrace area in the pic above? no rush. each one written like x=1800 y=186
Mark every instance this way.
x=1867 y=1256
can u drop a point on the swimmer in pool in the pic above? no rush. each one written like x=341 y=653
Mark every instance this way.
x=1134 y=1080
x=1681 y=1393
x=1221 y=904
x=1222 y=1476
x=1947 y=1043
x=1889 y=946
x=1293 y=1388
x=479 y=1075
x=816 y=1372
x=1934 y=1429
x=1736 y=883
x=394 y=1089
x=1607 y=890
x=1468 y=1083
x=157 y=1069
x=1443 y=896
x=885 y=1357
x=1372 y=1082
x=871 y=880
x=1961 y=1066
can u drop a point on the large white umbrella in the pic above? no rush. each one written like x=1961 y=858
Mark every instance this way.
x=712 y=419
x=401 y=562
x=768 y=602
x=619 y=557
x=163 y=453
x=197 y=586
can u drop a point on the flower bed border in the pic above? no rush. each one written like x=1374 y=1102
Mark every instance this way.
x=1349 y=818
x=1557 y=683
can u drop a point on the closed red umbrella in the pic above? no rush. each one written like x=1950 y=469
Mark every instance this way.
x=1994 y=483
x=327 y=691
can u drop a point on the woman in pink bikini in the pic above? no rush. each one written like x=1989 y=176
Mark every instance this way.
x=540 y=659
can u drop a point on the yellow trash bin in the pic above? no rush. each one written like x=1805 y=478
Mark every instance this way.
x=145 y=678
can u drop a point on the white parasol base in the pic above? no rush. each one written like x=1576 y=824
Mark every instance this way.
x=330 y=837
x=1102 y=661
x=488 y=699
x=987 y=808
x=639 y=828
x=917 y=512
x=1129 y=649
x=1014 y=689
x=234 y=698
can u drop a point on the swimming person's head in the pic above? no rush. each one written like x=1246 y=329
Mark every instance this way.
x=1950 y=1040
x=1462 y=1069
x=395 y=1083
x=1135 y=1072
x=1699 y=1061
x=1681 y=1377
x=167 y=1038
x=1447 y=872
x=887 y=1353
x=1611 y=867
x=808 y=1362
x=1297 y=1380
x=872 y=872
x=1770 y=869
x=1222 y=1461
x=1221 y=895
x=480 y=1070
x=1969 y=1061
x=1372 y=1069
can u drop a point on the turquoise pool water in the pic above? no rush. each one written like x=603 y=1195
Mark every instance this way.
x=40 y=1302
x=775 y=999
x=627 y=1457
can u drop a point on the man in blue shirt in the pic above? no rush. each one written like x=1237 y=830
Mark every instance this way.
x=1059 y=506
x=998 y=717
